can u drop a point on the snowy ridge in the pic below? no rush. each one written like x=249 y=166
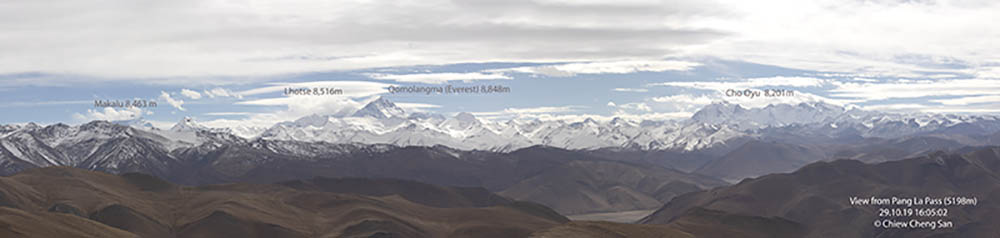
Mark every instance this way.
x=382 y=122
x=117 y=146
x=188 y=124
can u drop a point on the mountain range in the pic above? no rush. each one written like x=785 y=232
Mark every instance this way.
x=381 y=121
x=709 y=175
x=574 y=167
x=715 y=125
x=199 y=157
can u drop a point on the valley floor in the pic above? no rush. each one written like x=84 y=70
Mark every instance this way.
x=619 y=217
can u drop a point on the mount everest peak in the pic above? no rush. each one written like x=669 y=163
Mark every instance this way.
x=380 y=108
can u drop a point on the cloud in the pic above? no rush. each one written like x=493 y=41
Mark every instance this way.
x=228 y=40
x=632 y=90
x=638 y=106
x=895 y=107
x=190 y=94
x=682 y=106
x=352 y=89
x=909 y=89
x=989 y=108
x=229 y=113
x=44 y=103
x=234 y=41
x=656 y=116
x=111 y=114
x=438 y=78
x=221 y=92
x=682 y=102
x=969 y=100
x=886 y=38
x=683 y=98
x=547 y=112
x=530 y=110
x=296 y=106
x=576 y=113
x=409 y=105
x=215 y=42
x=718 y=88
x=176 y=103
x=796 y=98
x=292 y=107
x=289 y=109
x=739 y=84
x=606 y=67
x=663 y=107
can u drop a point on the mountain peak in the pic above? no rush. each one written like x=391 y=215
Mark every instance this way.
x=425 y=115
x=31 y=126
x=380 y=108
x=779 y=114
x=311 y=120
x=137 y=122
x=716 y=112
x=466 y=117
x=618 y=121
x=187 y=124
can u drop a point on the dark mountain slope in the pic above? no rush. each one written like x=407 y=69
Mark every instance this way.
x=92 y=204
x=756 y=158
x=426 y=194
x=817 y=196
x=587 y=186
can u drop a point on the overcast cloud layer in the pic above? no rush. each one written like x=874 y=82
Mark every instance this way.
x=233 y=40
x=228 y=60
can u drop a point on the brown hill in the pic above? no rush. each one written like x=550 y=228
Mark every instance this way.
x=587 y=186
x=756 y=158
x=425 y=194
x=601 y=229
x=817 y=197
x=68 y=202
x=539 y=174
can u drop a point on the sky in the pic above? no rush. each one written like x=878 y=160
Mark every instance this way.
x=228 y=62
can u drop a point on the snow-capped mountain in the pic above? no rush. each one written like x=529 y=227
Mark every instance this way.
x=246 y=131
x=98 y=144
x=137 y=122
x=381 y=108
x=775 y=115
x=716 y=130
x=381 y=121
x=188 y=124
